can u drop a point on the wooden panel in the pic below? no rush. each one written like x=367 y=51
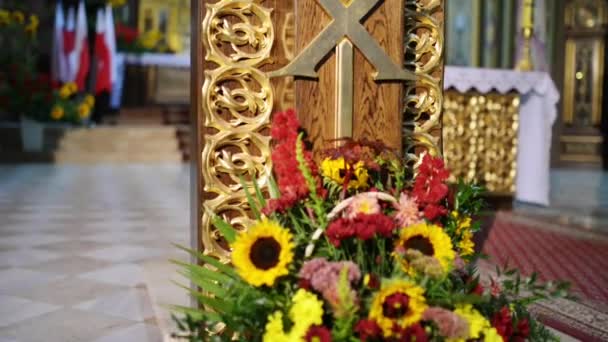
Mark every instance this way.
x=315 y=99
x=377 y=107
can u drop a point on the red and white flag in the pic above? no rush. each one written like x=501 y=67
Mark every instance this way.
x=69 y=37
x=111 y=42
x=81 y=48
x=105 y=50
x=59 y=62
x=103 y=80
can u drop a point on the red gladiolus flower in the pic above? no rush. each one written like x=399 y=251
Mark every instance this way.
x=367 y=329
x=430 y=188
x=318 y=333
x=503 y=323
x=291 y=182
x=523 y=328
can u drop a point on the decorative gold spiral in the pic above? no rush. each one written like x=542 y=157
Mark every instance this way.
x=237 y=104
x=423 y=99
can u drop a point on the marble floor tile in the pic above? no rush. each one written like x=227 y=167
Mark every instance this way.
x=120 y=274
x=132 y=304
x=98 y=249
x=136 y=332
x=70 y=265
x=19 y=278
x=114 y=237
x=31 y=240
x=68 y=291
x=65 y=325
x=24 y=257
x=73 y=247
x=14 y=309
x=125 y=253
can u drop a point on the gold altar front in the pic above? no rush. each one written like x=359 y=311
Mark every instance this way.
x=480 y=138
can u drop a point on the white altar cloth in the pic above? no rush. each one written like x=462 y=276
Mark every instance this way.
x=158 y=59
x=538 y=111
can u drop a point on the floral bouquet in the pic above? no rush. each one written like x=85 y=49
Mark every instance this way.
x=356 y=248
x=71 y=106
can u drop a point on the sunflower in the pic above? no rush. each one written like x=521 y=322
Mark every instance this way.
x=262 y=254
x=430 y=240
x=335 y=169
x=57 y=112
x=400 y=303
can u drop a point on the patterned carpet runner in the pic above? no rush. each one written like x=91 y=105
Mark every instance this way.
x=558 y=253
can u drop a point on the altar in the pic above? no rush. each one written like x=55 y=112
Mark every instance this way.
x=519 y=108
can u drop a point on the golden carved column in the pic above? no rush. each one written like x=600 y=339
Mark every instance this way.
x=423 y=99
x=237 y=101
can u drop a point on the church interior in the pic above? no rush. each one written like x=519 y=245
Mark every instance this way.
x=125 y=124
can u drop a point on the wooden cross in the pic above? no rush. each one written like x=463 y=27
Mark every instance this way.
x=343 y=33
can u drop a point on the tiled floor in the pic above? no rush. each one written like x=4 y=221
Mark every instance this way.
x=84 y=251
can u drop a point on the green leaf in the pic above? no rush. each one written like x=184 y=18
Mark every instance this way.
x=225 y=228
x=197 y=314
x=224 y=268
x=259 y=195
x=204 y=272
x=204 y=284
x=252 y=205
x=273 y=187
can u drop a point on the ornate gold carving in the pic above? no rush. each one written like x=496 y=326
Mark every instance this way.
x=424 y=43
x=480 y=131
x=237 y=104
x=345 y=31
x=286 y=93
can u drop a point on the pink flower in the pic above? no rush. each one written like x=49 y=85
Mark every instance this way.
x=324 y=277
x=407 y=212
x=365 y=203
x=450 y=324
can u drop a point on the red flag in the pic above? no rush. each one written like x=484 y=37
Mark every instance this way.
x=102 y=54
x=82 y=47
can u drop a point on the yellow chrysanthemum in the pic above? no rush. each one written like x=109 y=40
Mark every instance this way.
x=430 y=240
x=335 y=169
x=84 y=110
x=400 y=303
x=466 y=244
x=117 y=3
x=66 y=90
x=150 y=39
x=478 y=325
x=18 y=17
x=262 y=254
x=89 y=100
x=306 y=311
x=72 y=87
x=464 y=234
x=32 y=27
x=5 y=17
x=57 y=112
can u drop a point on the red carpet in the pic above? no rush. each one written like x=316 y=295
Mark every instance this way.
x=556 y=255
